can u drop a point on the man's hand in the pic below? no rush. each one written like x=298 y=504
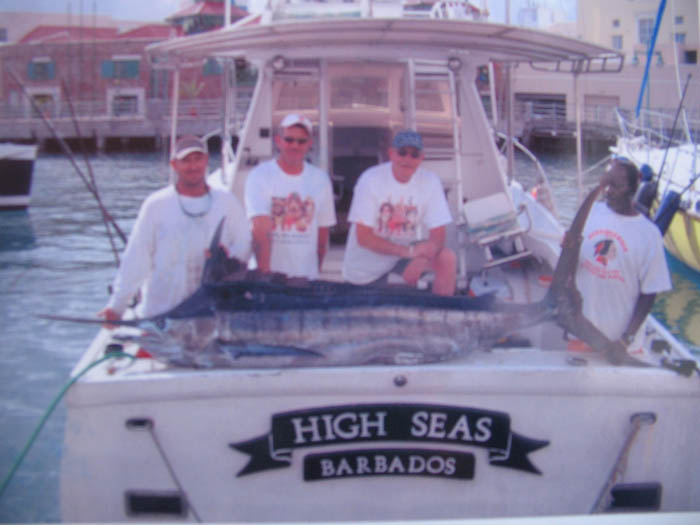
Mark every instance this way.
x=427 y=249
x=616 y=352
x=109 y=315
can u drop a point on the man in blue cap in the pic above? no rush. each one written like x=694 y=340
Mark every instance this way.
x=399 y=216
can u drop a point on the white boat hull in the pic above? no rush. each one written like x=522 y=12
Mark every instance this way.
x=16 y=168
x=438 y=421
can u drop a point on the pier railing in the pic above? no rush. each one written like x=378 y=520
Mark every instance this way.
x=119 y=118
x=133 y=117
x=662 y=127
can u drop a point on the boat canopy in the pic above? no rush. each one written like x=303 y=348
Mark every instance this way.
x=418 y=38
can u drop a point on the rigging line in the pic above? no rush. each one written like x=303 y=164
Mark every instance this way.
x=91 y=173
x=65 y=148
x=673 y=132
x=618 y=470
x=149 y=424
x=597 y=164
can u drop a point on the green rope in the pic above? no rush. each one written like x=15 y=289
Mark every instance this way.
x=48 y=413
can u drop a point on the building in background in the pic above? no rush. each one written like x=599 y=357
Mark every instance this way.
x=628 y=25
x=100 y=66
x=203 y=15
x=102 y=74
x=625 y=26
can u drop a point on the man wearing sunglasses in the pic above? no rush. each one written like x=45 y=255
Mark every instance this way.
x=290 y=205
x=399 y=215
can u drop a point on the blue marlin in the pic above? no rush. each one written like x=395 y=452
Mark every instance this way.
x=241 y=318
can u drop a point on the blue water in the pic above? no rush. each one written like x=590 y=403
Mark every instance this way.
x=56 y=258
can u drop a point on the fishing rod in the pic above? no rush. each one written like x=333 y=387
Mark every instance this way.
x=68 y=152
x=673 y=131
x=91 y=173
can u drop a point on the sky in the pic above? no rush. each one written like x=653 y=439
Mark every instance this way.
x=158 y=10
x=147 y=10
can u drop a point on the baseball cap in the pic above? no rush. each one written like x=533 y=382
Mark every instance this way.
x=409 y=138
x=189 y=144
x=294 y=119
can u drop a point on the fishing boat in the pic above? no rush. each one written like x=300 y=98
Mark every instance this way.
x=16 y=168
x=672 y=189
x=531 y=426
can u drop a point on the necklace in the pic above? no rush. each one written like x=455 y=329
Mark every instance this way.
x=197 y=213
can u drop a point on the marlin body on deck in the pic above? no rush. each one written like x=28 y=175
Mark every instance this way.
x=239 y=318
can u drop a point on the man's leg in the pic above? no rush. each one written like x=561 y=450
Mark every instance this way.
x=444 y=266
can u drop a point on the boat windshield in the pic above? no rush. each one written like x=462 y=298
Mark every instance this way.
x=364 y=94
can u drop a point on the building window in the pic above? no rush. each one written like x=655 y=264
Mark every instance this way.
x=125 y=105
x=3 y=34
x=679 y=38
x=158 y=85
x=691 y=57
x=679 y=20
x=43 y=104
x=120 y=69
x=41 y=69
x=617 y=42
x=646 y=28
x=616 y=22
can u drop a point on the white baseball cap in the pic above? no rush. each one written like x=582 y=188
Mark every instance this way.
x=294 y=119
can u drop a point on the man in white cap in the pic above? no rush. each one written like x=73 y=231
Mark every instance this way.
x=290 y=205
x=398 y=215
x=167 y=246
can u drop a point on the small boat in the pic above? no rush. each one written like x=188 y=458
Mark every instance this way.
x=16 y=168
x=671 y=192
x=533 y=426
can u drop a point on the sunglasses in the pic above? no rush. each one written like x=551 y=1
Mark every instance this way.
x=409 y=151
x=292 y=140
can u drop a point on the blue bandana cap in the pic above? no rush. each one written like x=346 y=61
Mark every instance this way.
x=408 y=138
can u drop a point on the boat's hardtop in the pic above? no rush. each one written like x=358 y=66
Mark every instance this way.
x=417 y=38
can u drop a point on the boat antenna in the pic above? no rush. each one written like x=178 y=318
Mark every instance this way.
x=650 y=52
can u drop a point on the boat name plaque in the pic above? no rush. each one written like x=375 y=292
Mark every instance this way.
x=394 y=422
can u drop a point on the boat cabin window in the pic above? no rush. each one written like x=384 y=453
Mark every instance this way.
x=296 y=94
x=363 y=92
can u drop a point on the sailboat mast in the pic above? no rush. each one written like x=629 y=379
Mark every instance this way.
x=650 y=53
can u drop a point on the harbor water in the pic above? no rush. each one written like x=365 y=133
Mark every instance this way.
x=56 y=258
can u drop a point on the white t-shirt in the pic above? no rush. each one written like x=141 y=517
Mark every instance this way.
x=399 y=212
x=621 y=257
x=166 y=248
x=299 y=205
